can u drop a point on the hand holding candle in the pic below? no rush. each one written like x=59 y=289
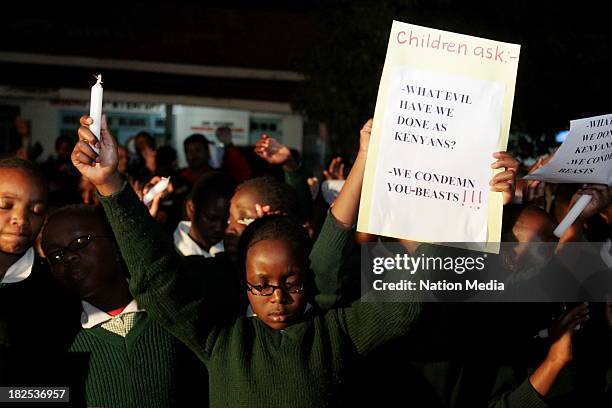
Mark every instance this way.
x=155 y=190
x=589 y=200
x=95 y=108
x=99 y=168
x=571 y=216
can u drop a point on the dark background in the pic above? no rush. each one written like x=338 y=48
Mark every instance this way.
x=564 y=69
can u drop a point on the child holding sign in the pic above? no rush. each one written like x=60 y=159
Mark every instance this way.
x=285 y=355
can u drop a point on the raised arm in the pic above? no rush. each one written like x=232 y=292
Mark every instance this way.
x=276 y=153
x=159 y=275
x=336 y=240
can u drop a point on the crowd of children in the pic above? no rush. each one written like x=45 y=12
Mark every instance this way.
x=235 y=288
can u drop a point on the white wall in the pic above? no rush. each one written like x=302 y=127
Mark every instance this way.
x=293 y=131
x=44 y=126
x=44 y=119
x=197 y=119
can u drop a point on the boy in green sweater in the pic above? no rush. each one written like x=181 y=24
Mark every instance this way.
x=285 y=356
x=129 y=359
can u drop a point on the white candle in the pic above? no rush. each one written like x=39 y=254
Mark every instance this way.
x=155 y=190
x=571 y=216
x=95 y=107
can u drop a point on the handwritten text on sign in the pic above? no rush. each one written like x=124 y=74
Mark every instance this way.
x=437 y=148
x=444 y=106
x=438 y=42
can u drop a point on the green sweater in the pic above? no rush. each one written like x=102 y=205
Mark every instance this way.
x=147 y=368
x=249 y=364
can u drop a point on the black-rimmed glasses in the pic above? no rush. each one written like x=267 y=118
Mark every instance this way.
x=76 y=244
x=268 y=290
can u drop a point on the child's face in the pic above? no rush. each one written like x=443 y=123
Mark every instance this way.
x=82 y=254
x=532 y=226
x=275 y=262
x=534 y=233
x=211 y=220
x=23 y=201
x=242 y=209
x=196 y=154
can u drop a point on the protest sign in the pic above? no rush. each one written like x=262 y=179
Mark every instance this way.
x=584 y=157
x=444 y=106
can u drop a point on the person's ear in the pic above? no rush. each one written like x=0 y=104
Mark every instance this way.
x=190 y=209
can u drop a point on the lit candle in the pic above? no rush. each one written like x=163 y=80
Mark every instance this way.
x=95 y=107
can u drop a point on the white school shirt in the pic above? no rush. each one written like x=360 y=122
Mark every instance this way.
x=20 y=269
x=91 y=316
x=187 y=246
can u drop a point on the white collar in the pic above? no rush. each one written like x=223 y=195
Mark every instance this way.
x=92 y=316
x=249 y=311
x=20 y=269
x=187 y=246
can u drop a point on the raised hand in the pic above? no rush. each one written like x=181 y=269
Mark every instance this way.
x=504 y=181
x=99 y=168
x=154 y=205
x=364 y=136
x=335 y=171
x=602 y=197
x=272 y=151
x=569 y=320
x=560 y=351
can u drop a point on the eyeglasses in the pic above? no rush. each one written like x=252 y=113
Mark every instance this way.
x=76 y=244
x=268 y=290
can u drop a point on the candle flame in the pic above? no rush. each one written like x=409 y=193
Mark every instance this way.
x=98 y=79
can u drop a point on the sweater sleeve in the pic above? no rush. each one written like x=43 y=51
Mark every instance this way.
x=327 y=258
x=523 y=396
x=159 y=275
x=370 y=324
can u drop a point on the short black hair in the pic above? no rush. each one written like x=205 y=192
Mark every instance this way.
x=26 y=166
x=150 y=139
x=80 y=210
x=212 y=184
x=278 y=228
x=512 y=212
x=278 y=195
x=165 y=155
x=195 y=138
x=83 y=210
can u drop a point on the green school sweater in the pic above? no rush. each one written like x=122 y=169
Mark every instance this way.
x=249 y=364
x=147 y=368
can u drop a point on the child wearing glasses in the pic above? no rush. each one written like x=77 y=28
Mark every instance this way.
x=130 y=360
x=27 y=292
x=287 y=354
